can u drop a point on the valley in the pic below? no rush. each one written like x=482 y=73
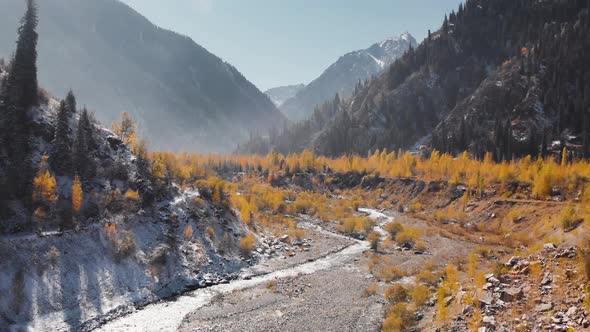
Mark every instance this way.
x=336 y=280
x=433 y=186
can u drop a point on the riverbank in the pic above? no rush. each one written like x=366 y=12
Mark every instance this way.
x=169 y=315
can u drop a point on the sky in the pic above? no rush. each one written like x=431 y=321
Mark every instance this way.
x=282 y=42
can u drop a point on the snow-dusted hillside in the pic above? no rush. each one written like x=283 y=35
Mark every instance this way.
x=342 y=76
x=117 y=61
x=117 y=255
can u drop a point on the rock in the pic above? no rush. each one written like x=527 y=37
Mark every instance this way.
x=569 y=253
x=571 y=311
x=493 y=281
x=512 y=294
x=449 y=300
x=419 y=316
x=284 y=238
x=488 y=276
x=489 y=321
x=525 y=270
x=485 y=300
x=513 y=261
x=482 y=329
x=468 y=310
x=550 y=246
x=547 y=279
x=544 y=307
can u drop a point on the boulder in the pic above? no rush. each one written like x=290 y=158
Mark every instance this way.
x=489 y=321
x=547 y=279
x=550 y=246
x=544 y=307
x=494 y=281
x=512 y=294
x=512 y=261
x=571 y=311
x=485 y=300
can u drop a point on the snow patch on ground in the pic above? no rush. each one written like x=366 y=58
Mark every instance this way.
x=379 y=62
x=167 y=316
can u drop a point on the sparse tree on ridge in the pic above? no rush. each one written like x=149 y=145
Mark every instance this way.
x=126 y=129
x=71 y=102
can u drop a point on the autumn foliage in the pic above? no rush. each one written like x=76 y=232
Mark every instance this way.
x=77 y=195
x=247 y=244
x=44 y=185
x=188 y=232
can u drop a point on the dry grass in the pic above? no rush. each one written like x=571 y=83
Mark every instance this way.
x=372 y=289
x=397 y=293
x=247 y=244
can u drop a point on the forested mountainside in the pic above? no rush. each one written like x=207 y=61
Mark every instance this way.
x=344 y=75
x=89 y=224
x=183 y=96
x=508 y=77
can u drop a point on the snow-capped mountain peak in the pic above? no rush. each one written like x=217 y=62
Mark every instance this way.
x=343 y=75
x=388 y=50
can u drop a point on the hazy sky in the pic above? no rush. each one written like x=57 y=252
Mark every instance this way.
x=280 y=42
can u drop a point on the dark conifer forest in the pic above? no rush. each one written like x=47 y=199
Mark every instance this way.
x=509 y=77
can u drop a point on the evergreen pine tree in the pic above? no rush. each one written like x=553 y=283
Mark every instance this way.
x=23 y=75
x=83 y=160
x=19 y=95
x=71 y=102
x=61 y=156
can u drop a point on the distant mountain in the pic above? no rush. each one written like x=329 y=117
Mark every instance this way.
x=116 y=60
x=342 y=76
x=505 y=77
x=280 y=94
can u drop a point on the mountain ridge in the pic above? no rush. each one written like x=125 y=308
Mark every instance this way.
x=281 y=94
x=508 y=82
x=183 y=96
x=344 y=74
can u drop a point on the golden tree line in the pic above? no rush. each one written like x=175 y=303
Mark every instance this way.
x=542 y=174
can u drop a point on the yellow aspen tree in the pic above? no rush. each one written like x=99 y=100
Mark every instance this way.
x=218 y=192
x=126 y=129
x=44 y=185
x=77 y=195
x=132 y=195
x=188 y=232
x=564 y=157
x=452 y=278
x=245 y=212
x=465 y=200
x=442 y=312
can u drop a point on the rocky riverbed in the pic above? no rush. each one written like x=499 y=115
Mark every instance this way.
x=317 y=283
